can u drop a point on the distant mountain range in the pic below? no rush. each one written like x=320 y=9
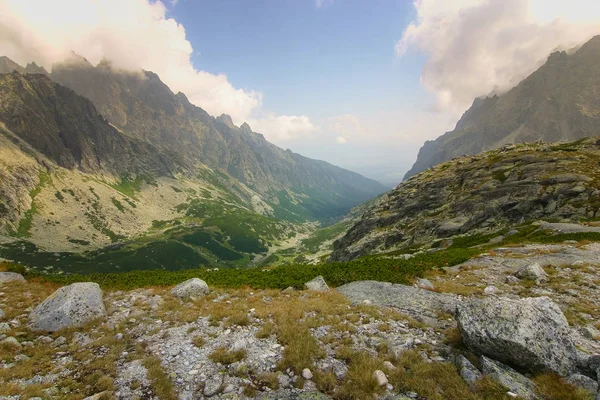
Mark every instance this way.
x=558 y=102
x=92 y=158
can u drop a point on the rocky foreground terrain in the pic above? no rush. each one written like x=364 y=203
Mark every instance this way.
x=515 y=322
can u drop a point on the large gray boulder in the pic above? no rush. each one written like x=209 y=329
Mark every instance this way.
x=11 y=277
x=530 y=333
x=533 y=272
x=318 y=284
x=509 y=378
x=421 y=304
x=69 y=306
x=194 y=287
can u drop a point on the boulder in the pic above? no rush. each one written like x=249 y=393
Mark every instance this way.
x=509 y=378
x=530 y=333
x=533 y=272
x=467 y=371
x=11 y=277
x=425 y=284
x=69 y=306
x=317 y=285
x=194 y=287
x=421 y=304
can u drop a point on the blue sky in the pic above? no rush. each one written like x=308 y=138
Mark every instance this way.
x=325 y=61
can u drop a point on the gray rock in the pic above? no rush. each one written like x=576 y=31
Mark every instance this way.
x=533 y=272
x=307 y=373
x=511 y=279
x=213 y=385
x=531 y=333
x=467 y=371
x=69 y=306
x=4 y=327
x=317 y=285
x=508 y=378
x=194 y=287
x=380 y=377
x=2 y=313
x=583 y=382
x=421 y=304
x=589 y=332
x=11 y=277
x=425 y=284
x=10 y=341
x=490 y=290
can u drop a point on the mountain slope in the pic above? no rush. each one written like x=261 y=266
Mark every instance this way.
x=558 y=102
x=143 y=107
x=484 y=194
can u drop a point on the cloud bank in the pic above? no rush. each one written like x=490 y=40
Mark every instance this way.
x=133 y=34
x=475 y=47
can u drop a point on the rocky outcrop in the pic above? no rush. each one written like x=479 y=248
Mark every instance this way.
x=317 y=285
x=419 y=303
x=194 y=287
x=556 y=102
x=480 y=194
x=530 y=333
x=69 y=306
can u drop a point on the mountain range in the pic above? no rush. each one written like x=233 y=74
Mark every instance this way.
x=558 y=102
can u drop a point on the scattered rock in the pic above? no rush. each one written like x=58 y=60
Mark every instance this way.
x=69 y=306
x=511 y=279
x=380 y=377
x=307 y=374
x=425 y=284
x=531 y=333
x=508 y=378
x=317 y=285
x=213 y=385
x=533 y=272
x=194 y=287
x=467 y=371
x=10 y=277
x=583 y=382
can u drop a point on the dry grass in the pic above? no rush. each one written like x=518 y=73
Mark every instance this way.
x=160 y=382
x=552 y=387
x=223 y=356
x=267 y=380
x=360 y=383
x=198 y=341
x=266 y=330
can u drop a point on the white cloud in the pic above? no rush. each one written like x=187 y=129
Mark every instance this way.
x=475 y=47
x=323 y=3
x=281 y=128
x=133 y=34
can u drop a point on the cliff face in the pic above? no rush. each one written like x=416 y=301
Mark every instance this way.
x=68 y=129
x=144 y=108
x=486 y=193
x=558 y=102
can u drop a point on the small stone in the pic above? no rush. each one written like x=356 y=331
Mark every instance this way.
x=213 y=385
x=512 y=395
x=44 y=339
x=307 y=374
x=4 y=327
x=318 y=284
x=194 y=287
x=511 y=279
x=380 y=377
x=389 y=365
x=119 y=336
x=533 y=272
x=59 y=341
x=490 y=290
x=21 y=357
x=1 y=313
x=424 y=284
x=367 y=302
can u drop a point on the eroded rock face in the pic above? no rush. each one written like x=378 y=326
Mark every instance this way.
x=69 y=306
x=194 y=287
x=530 y=333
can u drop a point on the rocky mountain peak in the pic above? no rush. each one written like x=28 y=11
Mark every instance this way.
x=226 y=119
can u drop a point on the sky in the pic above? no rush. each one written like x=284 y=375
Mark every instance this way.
x=359 y=83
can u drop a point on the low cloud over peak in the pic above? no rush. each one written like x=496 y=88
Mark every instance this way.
x=476 y=47
x=133 y=35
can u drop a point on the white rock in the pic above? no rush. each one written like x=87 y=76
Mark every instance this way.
x=533 y=272
x=424 y=284
x=307 y=374
x=380 y=377
x=317 y=285
x=11 y=277
x=490 y=290
x=194 y=287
